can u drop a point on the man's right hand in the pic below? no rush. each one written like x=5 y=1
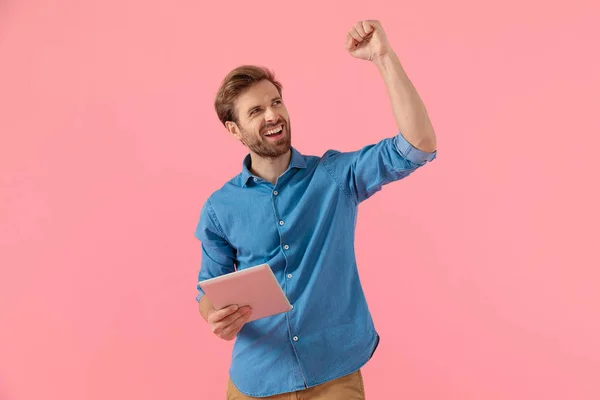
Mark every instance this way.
x=227 y=322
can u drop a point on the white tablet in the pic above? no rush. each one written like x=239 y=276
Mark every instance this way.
x=256 y=287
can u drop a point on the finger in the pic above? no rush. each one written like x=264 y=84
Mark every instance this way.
x=350 y=42
x=236 y=325
x=232 y=317
x=221 y=327
x=219 y=315
x=355 y=35
x=369 y=26
x=359 y=27
x=232 y=329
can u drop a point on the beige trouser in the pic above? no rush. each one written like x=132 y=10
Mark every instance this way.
x=349 y=387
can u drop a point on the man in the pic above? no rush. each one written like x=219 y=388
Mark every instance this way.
x=298 y=213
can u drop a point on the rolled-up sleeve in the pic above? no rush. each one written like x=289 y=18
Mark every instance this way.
x=362 y=173
x=218 y=256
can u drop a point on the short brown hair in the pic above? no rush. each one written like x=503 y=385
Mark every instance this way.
x=234 y=84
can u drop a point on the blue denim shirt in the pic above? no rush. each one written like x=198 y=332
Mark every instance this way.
x=304 y=228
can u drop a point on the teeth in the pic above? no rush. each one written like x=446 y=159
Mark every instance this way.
x=274 y=131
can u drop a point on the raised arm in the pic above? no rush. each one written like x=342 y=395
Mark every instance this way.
x=362 y=173
x=367 y=40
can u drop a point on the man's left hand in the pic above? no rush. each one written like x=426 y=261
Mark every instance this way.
x=367 y=41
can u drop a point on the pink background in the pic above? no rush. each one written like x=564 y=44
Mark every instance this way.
x=109 y=146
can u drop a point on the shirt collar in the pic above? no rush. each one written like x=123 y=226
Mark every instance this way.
x=297 y=161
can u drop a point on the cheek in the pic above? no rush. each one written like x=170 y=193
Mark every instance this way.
x=252 y=131
x=256 y=127
x=248 y=127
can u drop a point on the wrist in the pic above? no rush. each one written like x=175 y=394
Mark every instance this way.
x=385 y=60
x=206 y=307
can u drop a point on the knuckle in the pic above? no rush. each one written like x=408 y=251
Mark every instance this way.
x=213 y=317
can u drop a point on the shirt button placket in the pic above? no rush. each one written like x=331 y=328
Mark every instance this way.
x=285 y=247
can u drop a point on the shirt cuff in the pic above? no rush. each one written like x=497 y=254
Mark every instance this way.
x=200 y=293
x=411 y=153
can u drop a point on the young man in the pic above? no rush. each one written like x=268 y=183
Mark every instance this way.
x=298 y=213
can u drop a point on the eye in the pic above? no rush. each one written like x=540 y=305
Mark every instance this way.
x=277 y=102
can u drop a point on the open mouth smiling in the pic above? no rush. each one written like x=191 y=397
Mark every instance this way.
x=274 y=133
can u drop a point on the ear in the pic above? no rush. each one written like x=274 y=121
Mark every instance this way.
x=233 y=129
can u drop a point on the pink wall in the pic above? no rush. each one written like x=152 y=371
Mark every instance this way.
x=109 y=145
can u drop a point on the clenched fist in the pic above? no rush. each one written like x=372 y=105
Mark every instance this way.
x=367 y=40
x=227 y=322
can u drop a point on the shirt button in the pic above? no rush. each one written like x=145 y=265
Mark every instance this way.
x=275 y=192
x=289 y=276
x=281 y=222
x=255 y=179
x=292 y=306
x=295 y=338
x=286 y=247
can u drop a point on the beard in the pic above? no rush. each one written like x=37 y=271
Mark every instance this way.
x=264 y=147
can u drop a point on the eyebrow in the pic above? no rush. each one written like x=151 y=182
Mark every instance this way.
x=257 y=107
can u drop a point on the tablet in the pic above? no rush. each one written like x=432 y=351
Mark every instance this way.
x=256 y=287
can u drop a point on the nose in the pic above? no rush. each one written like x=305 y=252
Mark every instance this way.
x=271 y=115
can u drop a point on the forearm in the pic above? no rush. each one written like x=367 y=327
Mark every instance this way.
x=205 y=307
x=409 y=111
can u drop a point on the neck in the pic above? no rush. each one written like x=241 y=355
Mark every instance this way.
x=270 y=169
